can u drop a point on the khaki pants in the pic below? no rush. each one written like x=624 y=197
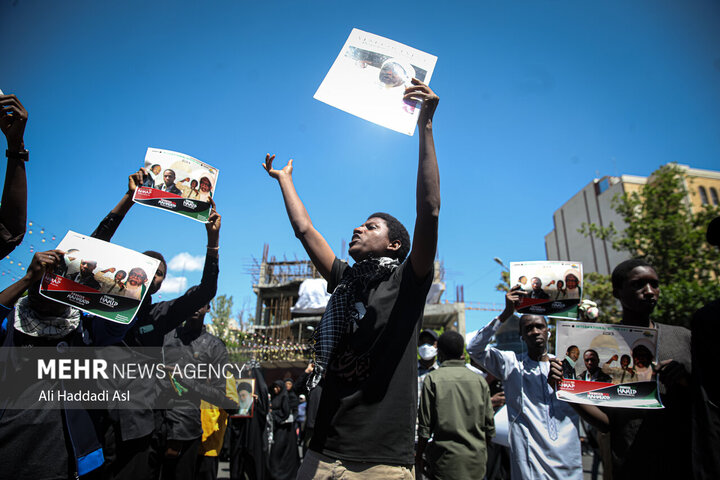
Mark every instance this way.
x=316 y=466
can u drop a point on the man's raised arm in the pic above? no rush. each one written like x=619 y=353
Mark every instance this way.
x=107 y=227
x=315 y=245
x=13 y=210
x=425 y=235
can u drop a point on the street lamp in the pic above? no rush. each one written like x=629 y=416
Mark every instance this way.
x=500 y=262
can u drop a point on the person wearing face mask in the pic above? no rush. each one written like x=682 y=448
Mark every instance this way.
x=456 y=411
x=427 y=349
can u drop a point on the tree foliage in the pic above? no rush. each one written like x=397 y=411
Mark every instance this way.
x=662 y=229
x=221 y=312
x=504 y=285
x=598 y=288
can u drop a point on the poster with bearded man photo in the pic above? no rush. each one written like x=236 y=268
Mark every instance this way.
x=246 y=395
x=97 y=277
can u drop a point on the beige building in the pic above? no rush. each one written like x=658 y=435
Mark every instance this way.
x=593 y=204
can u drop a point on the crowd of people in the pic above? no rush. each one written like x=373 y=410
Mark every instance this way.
x=379 y=399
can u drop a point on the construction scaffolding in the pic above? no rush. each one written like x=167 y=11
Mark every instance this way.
x=277 y=283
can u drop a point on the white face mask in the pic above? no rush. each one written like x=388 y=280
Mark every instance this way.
x=427 y=351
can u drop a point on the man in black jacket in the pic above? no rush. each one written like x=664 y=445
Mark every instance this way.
x=128 y=432
x=191 y=344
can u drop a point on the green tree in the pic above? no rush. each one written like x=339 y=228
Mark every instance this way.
x=598 y=288
x=504 y=285
x=221 y=312
x=663 y=230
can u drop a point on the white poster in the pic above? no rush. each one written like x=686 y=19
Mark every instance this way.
x=605 y=364
x=369 y=77
x=178 y=183
x=100 y=278
x=551 y=288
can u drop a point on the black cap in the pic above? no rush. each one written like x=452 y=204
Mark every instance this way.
x=713 y=232
x=432 y=333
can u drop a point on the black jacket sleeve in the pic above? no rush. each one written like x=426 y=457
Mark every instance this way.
x=300 y=385
x=261 y=390
x=167 y=316
x=107 y=227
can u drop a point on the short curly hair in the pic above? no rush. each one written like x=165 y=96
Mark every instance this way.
x=452 y=345
x=623 y=269
x=396 y=231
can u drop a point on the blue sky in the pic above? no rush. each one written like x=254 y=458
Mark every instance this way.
x=536 y=99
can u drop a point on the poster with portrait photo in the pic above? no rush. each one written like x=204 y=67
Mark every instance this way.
x=97 y=277
x=369 y=77
x=178 y=183
x=246 y=392
x=551 y=288
x=608 y=365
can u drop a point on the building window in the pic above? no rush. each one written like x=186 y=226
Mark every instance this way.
x=603 y=185
x=703 y=195
x=714 y=196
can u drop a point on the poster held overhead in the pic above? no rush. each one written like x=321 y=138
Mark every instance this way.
x=178 y=183
x=607 y=365
x=551 y=288
x=369 y=77
x=97 y=277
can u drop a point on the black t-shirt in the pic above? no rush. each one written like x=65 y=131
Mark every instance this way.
x=369 y=400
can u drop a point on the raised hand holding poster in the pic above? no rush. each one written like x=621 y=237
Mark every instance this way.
x=97 y=277
x=178 y=183
x=609 y=365
x=369 y=77
x=551 y=288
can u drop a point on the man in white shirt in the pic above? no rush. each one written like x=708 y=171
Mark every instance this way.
x=544 y=441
